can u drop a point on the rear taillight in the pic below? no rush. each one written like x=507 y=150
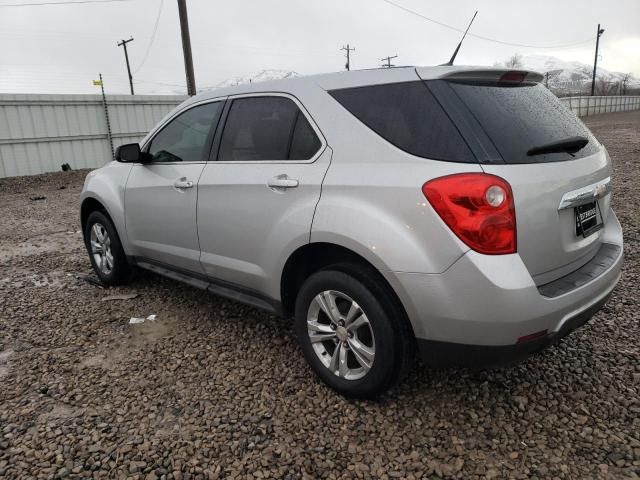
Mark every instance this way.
x=478 y=208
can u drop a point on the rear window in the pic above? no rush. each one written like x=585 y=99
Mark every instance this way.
x=408 y=116
x=518 y=118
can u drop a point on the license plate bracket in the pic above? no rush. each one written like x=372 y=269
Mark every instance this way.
x=588 y=219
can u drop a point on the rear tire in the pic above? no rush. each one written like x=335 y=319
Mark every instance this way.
x=105 y=250
x=362 y=346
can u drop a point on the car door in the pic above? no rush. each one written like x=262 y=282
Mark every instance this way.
x=257 y=198
x=160 y=196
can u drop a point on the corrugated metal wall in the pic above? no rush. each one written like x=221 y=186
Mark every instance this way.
x=585 y=106
x=38 y=133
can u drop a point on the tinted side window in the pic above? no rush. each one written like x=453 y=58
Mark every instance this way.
x=258 y=128
x=184 y=139
x=408 y=116
x=305 y=143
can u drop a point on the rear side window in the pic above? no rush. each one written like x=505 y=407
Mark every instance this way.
x=184 y=139
x=267 y=128
x=518 y=118
x=408 y=116
x=304 y=143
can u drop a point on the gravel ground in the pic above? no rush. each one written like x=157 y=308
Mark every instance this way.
x=213 y=389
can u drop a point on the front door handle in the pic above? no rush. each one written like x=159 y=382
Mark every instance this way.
x=282 y=181
x=183 y=183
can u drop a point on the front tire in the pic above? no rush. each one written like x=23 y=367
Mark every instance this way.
x=352 y=332
x=105 y=250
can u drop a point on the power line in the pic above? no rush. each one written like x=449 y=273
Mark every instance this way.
x=64 y=2
x=153 y=37
x=413 y=12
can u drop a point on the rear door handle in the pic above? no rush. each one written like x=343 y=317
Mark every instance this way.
x=183 y=183
x=282 y=181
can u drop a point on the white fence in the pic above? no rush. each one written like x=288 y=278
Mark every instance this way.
x=585 y=106
x=38 y=133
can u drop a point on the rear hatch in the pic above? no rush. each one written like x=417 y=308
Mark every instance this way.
x=558 y=171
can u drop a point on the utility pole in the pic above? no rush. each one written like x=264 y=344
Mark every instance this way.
x=186 y=47
x=595 y=61
x=123 y=43
x=348 y=50
x=388 y=61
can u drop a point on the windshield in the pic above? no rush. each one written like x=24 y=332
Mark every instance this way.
x=519 y=118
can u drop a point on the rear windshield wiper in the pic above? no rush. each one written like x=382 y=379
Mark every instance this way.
x=570 y=145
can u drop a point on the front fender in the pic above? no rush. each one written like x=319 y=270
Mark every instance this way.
x=107 y=186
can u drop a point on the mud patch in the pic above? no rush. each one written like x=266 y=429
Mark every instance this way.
x=151 y=331
x=4 y=361
x=60 y=412
x=22 y=279
x=95 y=361
x=109 y=360
x=167 y=425
x=58 y=242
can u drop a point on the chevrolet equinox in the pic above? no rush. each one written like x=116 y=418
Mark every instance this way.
x=462 y=213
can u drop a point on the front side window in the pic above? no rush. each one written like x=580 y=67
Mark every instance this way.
x=267 y=128
x=184 y=139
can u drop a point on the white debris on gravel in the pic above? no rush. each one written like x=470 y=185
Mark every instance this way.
x=124 y=296
x=135 y=320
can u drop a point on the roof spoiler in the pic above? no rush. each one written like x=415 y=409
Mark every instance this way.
x=501 y=75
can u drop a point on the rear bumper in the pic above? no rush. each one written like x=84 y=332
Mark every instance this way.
x=445 y=354
x=492 y=301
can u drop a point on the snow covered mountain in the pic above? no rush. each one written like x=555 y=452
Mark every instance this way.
x=565 y=77
x=572 y=71
x=261 y=76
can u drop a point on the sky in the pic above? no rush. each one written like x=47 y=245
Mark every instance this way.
x=62 y=48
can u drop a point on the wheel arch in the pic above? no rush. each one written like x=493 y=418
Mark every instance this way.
x=89 y=205
x=316 y=256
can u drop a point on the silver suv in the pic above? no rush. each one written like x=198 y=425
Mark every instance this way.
x=460 y=212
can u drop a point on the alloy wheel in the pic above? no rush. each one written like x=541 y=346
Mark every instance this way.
x=341 y=334
x=100 y=245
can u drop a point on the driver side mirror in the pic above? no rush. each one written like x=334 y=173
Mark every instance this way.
x=130 y=153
